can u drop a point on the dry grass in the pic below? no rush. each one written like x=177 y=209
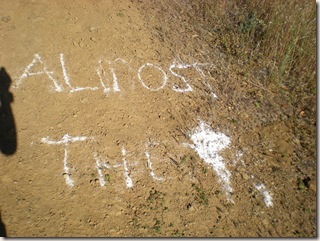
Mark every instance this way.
x=281 y=34
x=269 y=65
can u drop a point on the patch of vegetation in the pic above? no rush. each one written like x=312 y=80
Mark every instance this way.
x=107 y=177
x=157 y=225
x=155 y=199
x=183 y=159
x=303 y=184
x=281 y=32
x=186 y=158
x=200 y=196
x=153 y=207
x=274 y=44
x=135 y=221
x=204 y=170
x=120 y=14
x=177 y=233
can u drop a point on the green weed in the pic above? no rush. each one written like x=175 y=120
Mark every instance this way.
x=177 y=233
x=107 y=177
x=157 y=225
x=201 y=196
x=120 y=14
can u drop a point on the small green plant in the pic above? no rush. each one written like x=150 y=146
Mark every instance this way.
x=201 y=196
x=183 y=159
x=157 y=225
x=135 y=221
x=107 y=177
x=301 y=185
x=204 y=170
x=177 y=233
x=120 y=14
x=156 y=200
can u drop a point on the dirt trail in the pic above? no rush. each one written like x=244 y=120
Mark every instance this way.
x=108 y=96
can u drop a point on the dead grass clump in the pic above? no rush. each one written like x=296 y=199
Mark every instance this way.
x=283 y=33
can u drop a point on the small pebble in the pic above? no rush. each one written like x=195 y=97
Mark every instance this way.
x=245 y=176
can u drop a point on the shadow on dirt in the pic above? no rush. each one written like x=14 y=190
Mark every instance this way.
x=3 y=232
x=8 y=134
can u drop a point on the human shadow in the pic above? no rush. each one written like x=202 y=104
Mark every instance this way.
x=3 y=232
x=8 y=133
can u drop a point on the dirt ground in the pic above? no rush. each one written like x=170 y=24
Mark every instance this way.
x=107 y=96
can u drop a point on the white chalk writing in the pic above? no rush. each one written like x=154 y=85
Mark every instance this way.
x=267 y=198
x=165 y=79
x=66 y=139
x=104 y=79
x=129 y=182
x=208 y=144
x=27 y=73
x=151 y=169
x=67 y=79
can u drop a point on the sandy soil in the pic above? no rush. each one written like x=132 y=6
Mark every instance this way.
x=108 y=101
